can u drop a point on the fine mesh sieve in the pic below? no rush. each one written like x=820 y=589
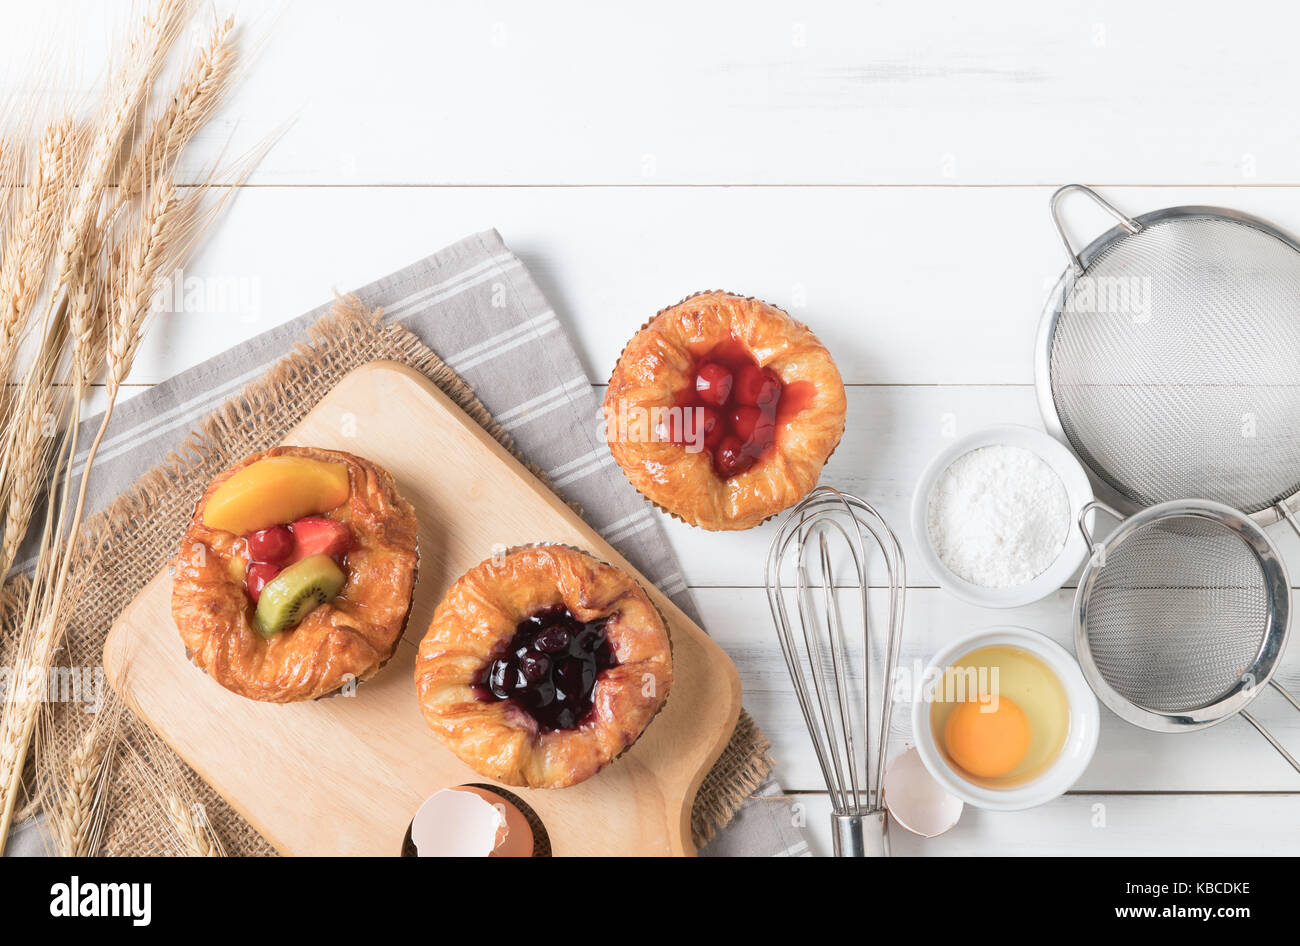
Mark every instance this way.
x=1181 y=616
x=1169 y=359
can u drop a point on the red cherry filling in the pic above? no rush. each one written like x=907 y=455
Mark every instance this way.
x=758 y=387
x=271 y=545
x=713 y=383
x=704 y=424
x=730 y=459
x=271 y=550
x=256 y=577
x=549 y=668
x=731 y=409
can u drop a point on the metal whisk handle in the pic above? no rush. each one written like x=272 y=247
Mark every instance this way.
x=861 y=835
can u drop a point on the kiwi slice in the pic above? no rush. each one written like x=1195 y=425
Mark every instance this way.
x=291 y=595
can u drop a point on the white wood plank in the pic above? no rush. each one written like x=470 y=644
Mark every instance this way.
x=769 y=92
x=1229 y=757
x=910 y=301
x=1098 y=825
x=905 y=285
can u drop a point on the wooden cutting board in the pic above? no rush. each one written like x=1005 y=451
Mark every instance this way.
x=344 y=775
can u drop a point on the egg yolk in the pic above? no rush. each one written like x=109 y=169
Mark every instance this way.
x=986 y=742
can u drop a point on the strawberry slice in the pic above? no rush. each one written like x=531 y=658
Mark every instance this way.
x=316 y=535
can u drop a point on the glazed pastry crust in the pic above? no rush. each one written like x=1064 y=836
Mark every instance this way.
x=475 y=622
x=349 y=638
x=658 y=363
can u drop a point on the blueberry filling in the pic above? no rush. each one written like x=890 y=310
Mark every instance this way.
x=549 y=668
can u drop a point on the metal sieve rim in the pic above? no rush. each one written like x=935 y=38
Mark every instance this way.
x=1260 y=672
x=1055 y=305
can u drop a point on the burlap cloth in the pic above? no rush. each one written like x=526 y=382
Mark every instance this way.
x=133 y=539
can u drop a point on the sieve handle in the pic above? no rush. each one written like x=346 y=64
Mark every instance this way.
x=1128 y=223
x=1272 y=740
x=1290 y=517
x=1098 y=506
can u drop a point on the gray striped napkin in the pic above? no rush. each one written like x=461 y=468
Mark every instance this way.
x=476 y=305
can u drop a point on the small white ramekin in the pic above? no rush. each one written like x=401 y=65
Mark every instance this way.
x=1078 y=492
x=1080 y=740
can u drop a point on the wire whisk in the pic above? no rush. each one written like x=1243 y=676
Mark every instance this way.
x=816 y=542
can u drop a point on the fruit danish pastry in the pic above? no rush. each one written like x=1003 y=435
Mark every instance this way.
x=723 y=410
x=542 y=666
x=295 y=575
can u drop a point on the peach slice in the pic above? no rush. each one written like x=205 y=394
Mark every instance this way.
x=275 y=490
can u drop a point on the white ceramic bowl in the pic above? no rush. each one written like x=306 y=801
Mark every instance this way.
x=1077 y=490
x=1080 y=740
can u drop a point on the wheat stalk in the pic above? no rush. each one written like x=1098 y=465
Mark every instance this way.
x=31 y=238
x=81 y=244
x=105 y=273
x=13 y=153
x=73 y=786
x=169 y=225
x=127 y=92
x=45 y=618
x=14 y=595
x=29 y=244
x=200 y=91
x=74 y=811
x=32 y=445
x=156 y=769
x=195 y=833
x=165 y=232
x=8 y=179
x=202 y=88
x=30 y=440
x=78 y=232
x=27 y=690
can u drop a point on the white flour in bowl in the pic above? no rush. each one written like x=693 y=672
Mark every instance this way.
x=998 y=516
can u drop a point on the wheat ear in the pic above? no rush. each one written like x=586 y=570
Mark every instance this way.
x=74 y=808
x=35 y=228
x=192 y=828
x=202 y=89
x=8 y=177
x=78 y=232
x=127 y=92
x=157 y=770
x=13 y=154
x=164 y=235
x=73 y=786
x=108 y=326
x=46 y=617
x=30 y=440
x=169 y=225
x=29 y=246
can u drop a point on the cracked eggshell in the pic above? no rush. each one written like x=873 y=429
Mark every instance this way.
x=916 y=801
x=470 y=822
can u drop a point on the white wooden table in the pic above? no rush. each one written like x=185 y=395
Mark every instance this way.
x=881 y=170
